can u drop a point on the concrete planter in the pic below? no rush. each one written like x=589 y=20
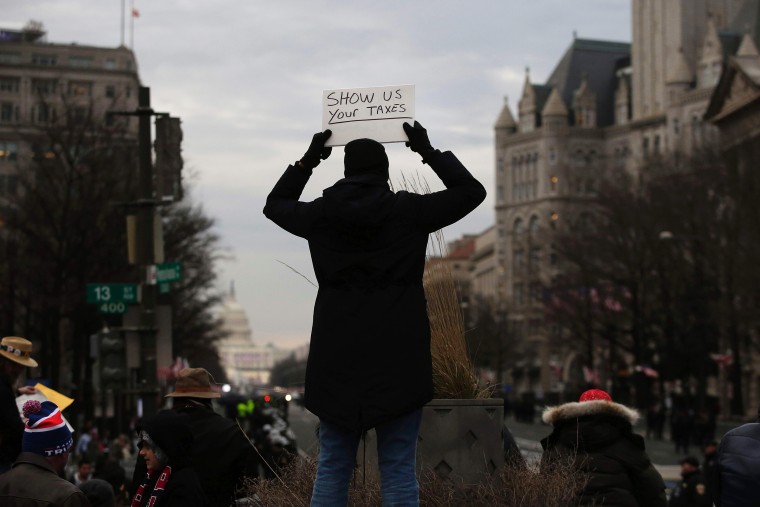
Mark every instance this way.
x=461 y=440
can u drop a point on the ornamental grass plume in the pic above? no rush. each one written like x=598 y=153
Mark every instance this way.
x=453 y=372
x=514 y=485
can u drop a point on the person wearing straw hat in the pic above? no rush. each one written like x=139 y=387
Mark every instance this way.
x=222 y=455
x=35 y=479
x=14 y=359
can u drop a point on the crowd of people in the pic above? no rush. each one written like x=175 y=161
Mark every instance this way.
x=368 y=246
x=188 y=455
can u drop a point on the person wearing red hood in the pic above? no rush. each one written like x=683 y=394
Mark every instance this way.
x=597 y=435
x=369 y=362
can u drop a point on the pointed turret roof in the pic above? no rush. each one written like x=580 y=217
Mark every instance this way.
x=505 y=120
x=555 y=106
x=711 y=47
x=597 y=61
x=748 y=47
x=528 y=94
x=680 y=72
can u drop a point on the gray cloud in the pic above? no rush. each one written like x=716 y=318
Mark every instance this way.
x=247 y=78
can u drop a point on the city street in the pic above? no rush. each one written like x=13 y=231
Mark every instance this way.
x=527 y=436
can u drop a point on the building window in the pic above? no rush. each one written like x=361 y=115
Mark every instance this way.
x=109 y=64
x=554 y=217
x=519 y=294
x=44 y=86
x=8 y=112
x=9 y=84
x=535 y=293
x=6 y=57
x=500 y=193
x=81 y=62
x=80 y=88
x=44 y=60
x=8 y=151
x=553 y=181
x=110 y=91
x=519 y=229
x=533 y=227
x=534 y=259
x=42 y=114
x=79 y=114
x=553 y=254
x=40 y=152
x=519 y=261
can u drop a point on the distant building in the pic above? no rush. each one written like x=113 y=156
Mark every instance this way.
x=42 y=84
x=607 y=106
x=245 y=363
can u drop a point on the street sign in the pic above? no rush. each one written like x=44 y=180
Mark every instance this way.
x=126 y=293
x=168 y=272
x=112 y=308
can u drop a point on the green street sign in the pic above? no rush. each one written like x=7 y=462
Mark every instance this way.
x=168 y=272
x=112 y=308
x=98 y=293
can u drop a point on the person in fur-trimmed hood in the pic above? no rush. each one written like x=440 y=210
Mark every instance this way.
x=596 y=435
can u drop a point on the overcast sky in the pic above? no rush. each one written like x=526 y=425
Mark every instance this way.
x=246 y=78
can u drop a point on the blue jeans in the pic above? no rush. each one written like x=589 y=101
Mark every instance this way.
x=396 y=451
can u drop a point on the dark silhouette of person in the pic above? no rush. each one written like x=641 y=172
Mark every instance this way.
x=369 y=362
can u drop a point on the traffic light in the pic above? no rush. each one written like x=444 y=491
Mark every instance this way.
x=168 y=166
x=112 y=359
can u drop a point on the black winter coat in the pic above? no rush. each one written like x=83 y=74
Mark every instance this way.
x=599 y=437
x=222 y=455
x=171 y=432
x=11 y=426
x=737 y=470
x=369 y=359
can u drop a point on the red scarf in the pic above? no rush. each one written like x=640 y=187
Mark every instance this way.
x=158 y=488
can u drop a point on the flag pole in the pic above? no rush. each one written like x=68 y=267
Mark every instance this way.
x=122 y=22
x=132 y=26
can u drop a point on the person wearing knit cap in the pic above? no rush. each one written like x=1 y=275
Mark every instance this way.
x=35 y=478
x=369 y=362
x=596 y=435
x=166 y=444
x=15 y=357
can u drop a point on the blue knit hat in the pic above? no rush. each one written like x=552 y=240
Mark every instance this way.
x=45 y=431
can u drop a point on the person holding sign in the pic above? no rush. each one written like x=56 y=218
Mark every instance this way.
x=369 y=362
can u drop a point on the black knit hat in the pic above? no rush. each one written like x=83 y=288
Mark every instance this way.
x=365 y=156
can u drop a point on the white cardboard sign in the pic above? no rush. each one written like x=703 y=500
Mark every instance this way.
x=377 y=113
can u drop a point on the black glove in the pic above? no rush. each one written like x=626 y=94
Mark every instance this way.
x=317 y=151
x=418 y=140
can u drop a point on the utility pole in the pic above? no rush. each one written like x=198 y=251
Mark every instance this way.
x=146 y=216
x=146 y=236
